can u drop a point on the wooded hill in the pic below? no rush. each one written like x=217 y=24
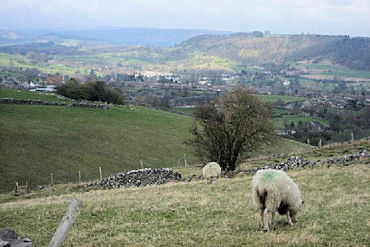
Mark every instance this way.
x=254 y=48
x=230 y=52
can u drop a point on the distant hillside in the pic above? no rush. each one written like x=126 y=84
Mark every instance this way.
x=47 y=48
x=252 y=48
x=156 y=49
x=11 y=37
x=114 y=36
x=132 y=36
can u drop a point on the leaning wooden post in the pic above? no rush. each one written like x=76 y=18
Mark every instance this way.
x=66 y=224
x=101 y=176
x=141 y=163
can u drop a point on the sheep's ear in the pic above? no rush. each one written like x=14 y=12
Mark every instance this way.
x=302 y=202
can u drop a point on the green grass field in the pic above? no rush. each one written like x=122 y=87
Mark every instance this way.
x=279 y=121
x=39 y=140
x=188 y=111
x=285 y=98
x=24 y=94
x=19 y=61
x=334 y=70
x=200 y=214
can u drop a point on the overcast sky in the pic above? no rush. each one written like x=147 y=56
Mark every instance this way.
x=278 y=16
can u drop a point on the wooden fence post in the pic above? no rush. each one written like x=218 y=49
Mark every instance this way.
x=79 y=176
x=51 y=179
x=141 y=163
x=185 y=161
x=16 y=188
x=101 y=176
x=66 y=224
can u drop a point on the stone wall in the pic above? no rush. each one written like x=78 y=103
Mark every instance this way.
x=85 y=104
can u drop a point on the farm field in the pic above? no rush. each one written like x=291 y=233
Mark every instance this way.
x=202 y=214
x=24 y=94
x=334 y=70
x=325 y=71
x=284 y=98
x=280 y=121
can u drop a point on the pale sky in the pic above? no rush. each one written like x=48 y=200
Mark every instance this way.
x=278 y=16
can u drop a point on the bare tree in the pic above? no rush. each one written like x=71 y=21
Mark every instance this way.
x=223 y=130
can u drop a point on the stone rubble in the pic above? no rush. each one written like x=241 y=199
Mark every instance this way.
x=348 y=158
x=139 y=178
x=292 y=162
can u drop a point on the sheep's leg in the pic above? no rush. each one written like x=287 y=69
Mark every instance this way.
x=262 y=222
x=289 y=218
x=272 y=220
x=293 y=217
x=266 y=219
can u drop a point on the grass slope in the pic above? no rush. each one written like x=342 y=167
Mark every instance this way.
x=24 y=94
x=201 y=214
x=39 y=140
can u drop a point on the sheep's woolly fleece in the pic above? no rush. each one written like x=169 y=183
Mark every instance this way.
x=279 y=189
x=212 y=169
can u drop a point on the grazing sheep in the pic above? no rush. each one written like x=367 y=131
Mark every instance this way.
x=211 y=170
x=274 y=190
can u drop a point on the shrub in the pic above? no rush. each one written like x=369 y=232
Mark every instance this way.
x=93 y=91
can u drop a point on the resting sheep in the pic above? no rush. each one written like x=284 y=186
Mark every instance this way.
x=274 y=190
x=211 y=170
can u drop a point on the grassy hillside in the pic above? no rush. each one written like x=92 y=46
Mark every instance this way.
x=202 y=214
x=24 y=94
x=39 y=140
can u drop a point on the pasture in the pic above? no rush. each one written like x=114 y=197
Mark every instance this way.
x=39 y=140
x=202 y=214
